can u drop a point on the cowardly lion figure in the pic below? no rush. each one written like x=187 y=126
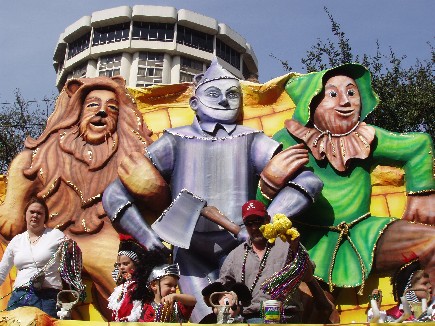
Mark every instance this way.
x=342 y=238
x=95 y=126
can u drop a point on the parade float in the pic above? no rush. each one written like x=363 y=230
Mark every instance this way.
x=265 y=107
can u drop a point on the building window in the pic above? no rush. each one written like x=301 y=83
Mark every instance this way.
x=110 y=65
x=195 y=39
x=153 y=31
x=185 y=78
x=111 y=34
x=78 y=72
x=150 y=69
x=246 y=73
x=78 y=45
x=228 y=54
x=189 y=68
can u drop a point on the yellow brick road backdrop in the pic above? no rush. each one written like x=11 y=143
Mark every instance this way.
x=265 y=106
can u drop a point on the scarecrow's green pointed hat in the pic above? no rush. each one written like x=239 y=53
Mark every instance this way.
x=303 y=88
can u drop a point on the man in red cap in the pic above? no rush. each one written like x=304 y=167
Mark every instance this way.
x=256 y=260
x=254 y=215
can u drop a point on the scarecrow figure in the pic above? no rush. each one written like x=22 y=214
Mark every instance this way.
x=342 y=238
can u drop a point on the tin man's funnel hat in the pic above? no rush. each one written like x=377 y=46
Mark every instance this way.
x=214 y=72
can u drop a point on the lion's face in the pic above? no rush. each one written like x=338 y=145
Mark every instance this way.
x=99 y=116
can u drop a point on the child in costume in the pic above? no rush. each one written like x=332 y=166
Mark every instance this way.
x=410 y=276
x=410 y=282
x=164 y=304
x=130 y=255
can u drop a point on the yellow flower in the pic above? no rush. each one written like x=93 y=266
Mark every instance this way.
x=269 y=232
x=280 y=227
x=282 y=223
x=292 y=233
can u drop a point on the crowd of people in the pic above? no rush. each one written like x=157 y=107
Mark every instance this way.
x=227 y=268
x=147 y=282
x=148 y=289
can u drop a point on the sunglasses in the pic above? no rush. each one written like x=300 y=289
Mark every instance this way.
x=257 y=222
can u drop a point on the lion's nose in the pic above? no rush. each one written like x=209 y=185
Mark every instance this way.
x=102 y=113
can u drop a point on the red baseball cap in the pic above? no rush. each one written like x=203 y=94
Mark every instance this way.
x=253 y=208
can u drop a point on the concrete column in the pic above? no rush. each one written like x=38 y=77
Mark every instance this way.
x=175 y=69
x=167 y=66
x=126 y=61
x=91 y=69
x=133 y=69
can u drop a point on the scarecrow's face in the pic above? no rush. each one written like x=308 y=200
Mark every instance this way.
x=340 y=108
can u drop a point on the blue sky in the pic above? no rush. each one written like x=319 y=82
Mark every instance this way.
x=286 y=28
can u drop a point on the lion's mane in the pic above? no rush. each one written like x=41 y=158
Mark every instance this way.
x=72 y=173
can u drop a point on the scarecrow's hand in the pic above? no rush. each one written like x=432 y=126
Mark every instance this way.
x=420 y=208
x=281 y=168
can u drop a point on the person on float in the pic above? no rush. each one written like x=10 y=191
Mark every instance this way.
x=164 y=303
x=256 y=260
x=410 y=282
x=36 y=255
x=375 y=314
x=342 y=238
x=218 y=161
x=413 y=283
x=131 y=255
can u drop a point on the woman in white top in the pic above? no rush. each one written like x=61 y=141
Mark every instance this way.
x=34 y=251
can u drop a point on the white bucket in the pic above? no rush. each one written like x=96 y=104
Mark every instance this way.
x=272 y=311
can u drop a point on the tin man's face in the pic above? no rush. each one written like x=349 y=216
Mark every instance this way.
x=218 y=101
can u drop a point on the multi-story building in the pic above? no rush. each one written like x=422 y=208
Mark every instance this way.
x=149 y=45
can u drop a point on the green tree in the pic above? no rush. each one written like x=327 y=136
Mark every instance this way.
x=406 y=93
x=17 y=121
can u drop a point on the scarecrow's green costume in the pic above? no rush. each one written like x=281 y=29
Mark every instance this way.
x=337 y=230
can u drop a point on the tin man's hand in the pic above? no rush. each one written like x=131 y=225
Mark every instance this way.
x=215 y=215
